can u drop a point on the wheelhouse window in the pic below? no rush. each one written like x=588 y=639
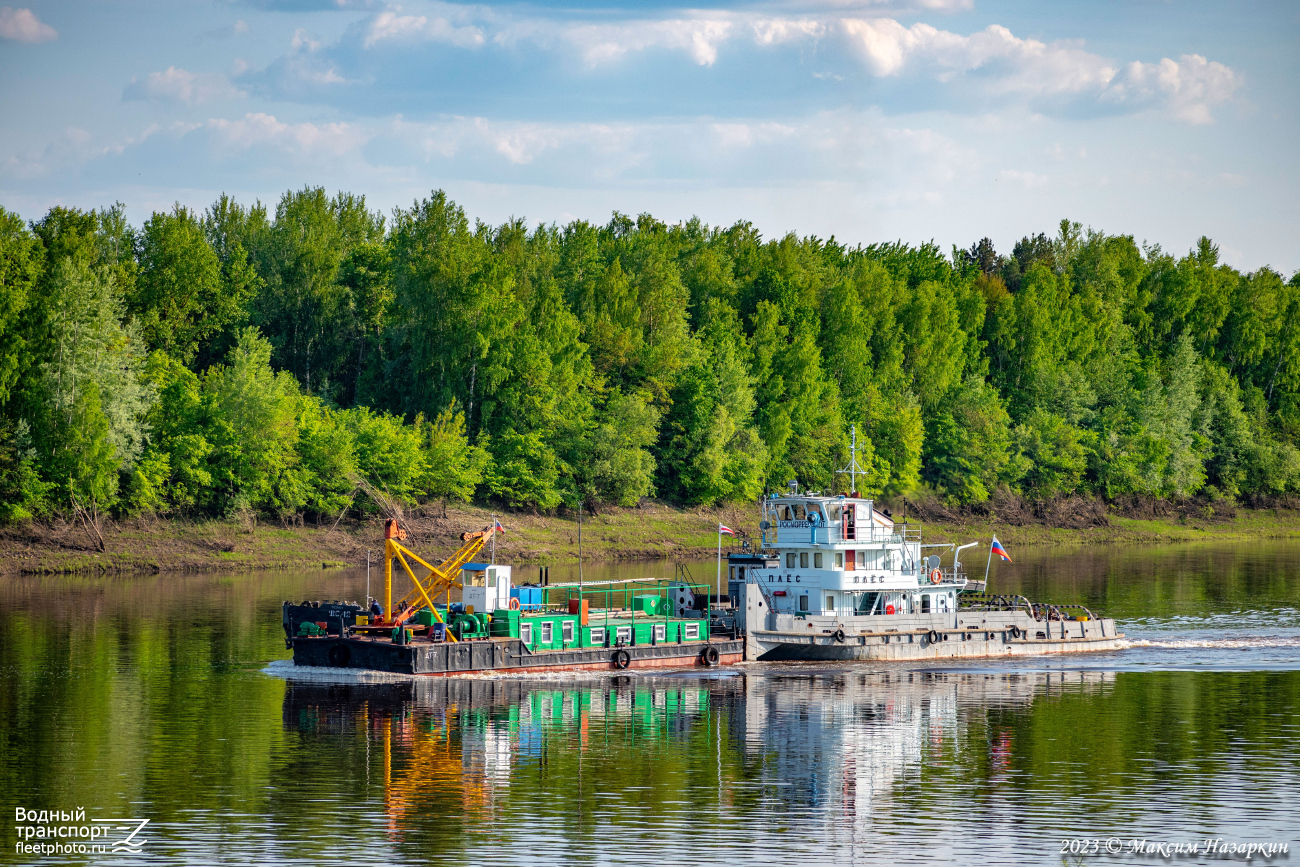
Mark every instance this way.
x=817 y=560
x=839 y=559
x=789 y=560
x=803 y=603
x=803 y=559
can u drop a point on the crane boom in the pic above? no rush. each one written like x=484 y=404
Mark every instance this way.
x=439 y=580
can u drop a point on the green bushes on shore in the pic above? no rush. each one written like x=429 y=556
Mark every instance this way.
x=322 y=357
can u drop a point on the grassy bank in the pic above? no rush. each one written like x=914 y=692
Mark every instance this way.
x=652 y=531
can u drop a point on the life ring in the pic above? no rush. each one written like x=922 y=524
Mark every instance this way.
x=514 y=603
x=839 y=636
x=934 y=636
x=622 y=659
x=709 y=656
x=889 y=609
x=935 y=576
x=340 y=655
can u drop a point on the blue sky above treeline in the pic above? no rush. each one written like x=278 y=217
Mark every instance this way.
x=943 y=120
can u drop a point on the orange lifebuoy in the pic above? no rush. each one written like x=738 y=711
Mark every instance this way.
x=935 y=576
x=514 y=603
x=889 y=609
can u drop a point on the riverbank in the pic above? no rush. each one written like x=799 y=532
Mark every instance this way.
x=652 y=531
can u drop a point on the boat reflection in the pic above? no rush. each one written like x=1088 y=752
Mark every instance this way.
x=835 y=743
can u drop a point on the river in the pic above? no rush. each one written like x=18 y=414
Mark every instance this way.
x=169 y=698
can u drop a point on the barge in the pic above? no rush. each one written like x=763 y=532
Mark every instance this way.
x=499 y=627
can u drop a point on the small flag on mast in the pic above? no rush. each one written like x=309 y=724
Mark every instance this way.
x=1000 y=551
x=723 y=528
x=500 y=529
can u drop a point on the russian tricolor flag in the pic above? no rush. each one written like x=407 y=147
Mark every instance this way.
x=1000 y=551
x=500 y=529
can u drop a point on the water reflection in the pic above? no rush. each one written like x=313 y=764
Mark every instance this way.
x=744 y=756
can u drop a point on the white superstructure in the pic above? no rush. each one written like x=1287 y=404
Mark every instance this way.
x=841 y=556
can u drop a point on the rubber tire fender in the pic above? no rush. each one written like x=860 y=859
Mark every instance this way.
x=622 y=659
x=340 y=655
x=839 y=636
x=1014 y=632
x=709 y=656
x=934 y=636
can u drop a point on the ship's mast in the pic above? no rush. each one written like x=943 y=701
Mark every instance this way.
x=853 y=469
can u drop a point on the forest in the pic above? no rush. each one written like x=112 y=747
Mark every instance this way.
x=320 y=358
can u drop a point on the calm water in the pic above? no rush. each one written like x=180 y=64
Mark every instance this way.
x=168 y=699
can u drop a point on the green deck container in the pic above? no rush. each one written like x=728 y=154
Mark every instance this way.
x=652 y=605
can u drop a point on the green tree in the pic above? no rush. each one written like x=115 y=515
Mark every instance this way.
x=254 y=429
x=20 y=267
x=453 y=467
x=178 y=302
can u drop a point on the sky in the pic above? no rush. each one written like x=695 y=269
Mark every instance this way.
x=917 y=120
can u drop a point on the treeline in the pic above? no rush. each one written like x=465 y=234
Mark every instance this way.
x=322 y=357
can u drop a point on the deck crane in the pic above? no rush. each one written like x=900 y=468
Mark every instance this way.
x=441 y=578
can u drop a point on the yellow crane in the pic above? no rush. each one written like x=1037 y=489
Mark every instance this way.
x=440 y=579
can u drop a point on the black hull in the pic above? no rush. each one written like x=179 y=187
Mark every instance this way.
x=497 y=655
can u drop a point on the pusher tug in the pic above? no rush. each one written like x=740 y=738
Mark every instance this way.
x=497 y=626
x=836 y=579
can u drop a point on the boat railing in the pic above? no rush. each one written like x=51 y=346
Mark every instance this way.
x=998 y=602
x=1040 y=611
x=1044 y=611
x=822 y=534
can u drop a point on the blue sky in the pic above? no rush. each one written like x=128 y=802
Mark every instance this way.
x=943 y=120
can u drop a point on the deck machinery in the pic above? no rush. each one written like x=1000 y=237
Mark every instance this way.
x=497 y=626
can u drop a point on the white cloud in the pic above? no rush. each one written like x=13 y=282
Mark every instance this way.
x=1188 y=87
x=391 y=26
x=22 y=25
x=300 y=139
x=73 y=147
x=844 y=146
x=699 y=37
x=181 y=86
x=1028 y=66
x=302 y=40
x=773 y=31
